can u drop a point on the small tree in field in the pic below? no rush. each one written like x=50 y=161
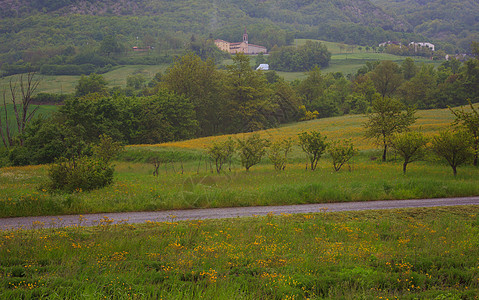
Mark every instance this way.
x=341 y=153
x=221 y=152
x=388 y=117
x=454 y=146
x=252 y=150
x=314 y=145
x=470 y=122
x=410 y=146
x=278 y=153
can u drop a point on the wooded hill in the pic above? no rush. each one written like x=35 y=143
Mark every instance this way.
x=41 y=30
x=455 y=21
x=53 y=25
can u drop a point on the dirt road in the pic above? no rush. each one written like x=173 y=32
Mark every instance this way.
x=221 y=213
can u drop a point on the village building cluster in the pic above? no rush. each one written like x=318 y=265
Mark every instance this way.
x=241 y=47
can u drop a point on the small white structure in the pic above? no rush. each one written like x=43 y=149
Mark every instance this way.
x=420 y=44
x=264 y=67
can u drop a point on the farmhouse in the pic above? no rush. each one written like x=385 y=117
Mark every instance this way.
x=421 y=44
x=241 y=47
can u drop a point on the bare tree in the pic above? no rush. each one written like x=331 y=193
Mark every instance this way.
x=21 y=107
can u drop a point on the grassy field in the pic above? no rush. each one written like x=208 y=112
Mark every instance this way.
x=186 y=179
x=63 y=84
x=347 y=63
x=428 y=253
x=344 y=127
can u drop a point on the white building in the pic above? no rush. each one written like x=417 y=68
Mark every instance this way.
x=421 y=44
x=264 y=67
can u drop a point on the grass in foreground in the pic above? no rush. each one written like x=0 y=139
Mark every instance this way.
x=428 y=253
x=192 y=184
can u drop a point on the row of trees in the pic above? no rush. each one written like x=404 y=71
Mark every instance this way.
x=252 y=149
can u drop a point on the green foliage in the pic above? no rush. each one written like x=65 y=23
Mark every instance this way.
x=420 y=90
x=107 y=149
x=80 y=174
x=249 y=105
x=85 y=173
x=50 y=98
x=221 y=152
x=453 y=21
x=304 y=58
x=136 y=81
x=251 y=150
x=92 y=84
x=314 y=145
x=454 y=146
x=278 y=153
x=410 y=145
x=200 y=82
x=469 y=121
x=387 y=118
x=341 y=152
x=109 y=45
x=387 y=78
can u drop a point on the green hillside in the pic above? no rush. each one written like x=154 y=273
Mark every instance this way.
x=453 y=21
x=66 y=32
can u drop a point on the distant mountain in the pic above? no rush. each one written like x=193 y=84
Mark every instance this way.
x=455 y=21
x=31 y=29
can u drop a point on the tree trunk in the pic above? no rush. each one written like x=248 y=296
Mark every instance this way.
x=385 y=151
x=404 y=167
x=454 y=170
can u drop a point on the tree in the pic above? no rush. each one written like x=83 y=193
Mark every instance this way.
x=454 y=147
x=109 y=45
x=408 y=68
x=221 y=152
x=250 y=107
x=200 y=82
x=21 y=108
x=410 y=146
x=107 y=148
x=469 y=120
x=314 y=145
x=93 y=83
x=387 y=78
x=251 y=150
x=278 y=153
x=136 y=81
x=303 y=58
x=341 y=153
x=388 y=117
x=420 y=90
x=286 y=102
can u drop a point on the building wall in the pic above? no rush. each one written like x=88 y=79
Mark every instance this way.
x=242 y=47
x=238 y=47
x=255 y=49
x=223 y=45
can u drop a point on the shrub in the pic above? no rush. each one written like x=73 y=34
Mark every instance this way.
x=314 y=145
x=252 y=150
x=454 y=147
x=221 y=152
x=82 y=173
x=341 y=153
x=86 y=173
x=278 y=153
